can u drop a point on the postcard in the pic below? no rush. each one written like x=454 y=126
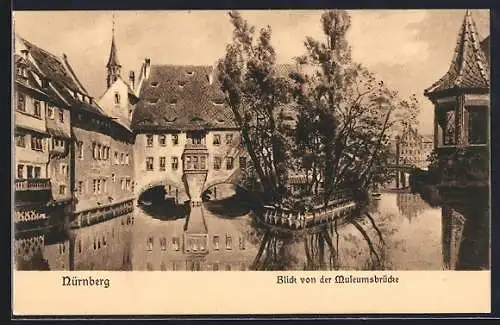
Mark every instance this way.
x=251 y=162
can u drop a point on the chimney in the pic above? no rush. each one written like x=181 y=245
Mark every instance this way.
x=131 y=79
x=147 y=67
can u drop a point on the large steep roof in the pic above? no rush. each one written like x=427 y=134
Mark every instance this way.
x=62 y=78
x=182 y=98
x=186 y=97
x=469 y=67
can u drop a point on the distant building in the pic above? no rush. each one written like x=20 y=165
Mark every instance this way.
x=412 y=148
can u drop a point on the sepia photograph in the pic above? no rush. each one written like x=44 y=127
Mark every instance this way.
x=263 y=140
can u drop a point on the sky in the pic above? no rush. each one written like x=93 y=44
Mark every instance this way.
x=408 y=49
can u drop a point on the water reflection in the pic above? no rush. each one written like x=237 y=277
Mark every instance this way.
x=404 y=233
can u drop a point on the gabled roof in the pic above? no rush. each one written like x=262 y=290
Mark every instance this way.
x=183 y=98
x=469 y=67
x=62 y=78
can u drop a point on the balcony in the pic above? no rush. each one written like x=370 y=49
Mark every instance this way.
x=33 y=184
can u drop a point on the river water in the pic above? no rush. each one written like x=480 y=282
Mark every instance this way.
x=412 y=236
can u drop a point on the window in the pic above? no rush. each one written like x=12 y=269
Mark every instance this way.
x=79 y=146
x=189 y=165
x=79 y=187
x=127 y=184
x=243 y=162
x=94 y=151
x=122 y=158
x=175 y=163
x=113 y=178
x=127 y=161
x=175 y=139
x=162 y=163
x=37 y=110
x=162 y=139
x=21 y=102
x=29 y=172
x=38 y=172
x=99 y=188
x=229 y=163
x=94 y=185
x=449 y=128
x=215 y=267
x=20 y=140
x=62 y=189
x=216 y=139
x=64 y=170
x=150 y=243
x=117 y=99
x=175 y=243
x=122 y=184
x=50 y=111
x=149 y=140
x=228 y=267
x=229 y=138
x=477 y=124
x=195 y=162
x=116 y=158
x=163 y=244
x=241 y=242
x=36 y=143
x=61 y=115
x=215 y=242
x=217 y=163
x=104 y=186
x=149 y=163
x=203 y=162
x=229 y=241
x=20 y=171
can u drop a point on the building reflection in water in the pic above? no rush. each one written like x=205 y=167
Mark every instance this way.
x=219 y=237
x=417 y=237
x=411 y=205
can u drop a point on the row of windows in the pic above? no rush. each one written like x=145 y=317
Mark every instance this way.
x=195 y=266
x=101 y=185
x=100 y=152
x=162 y=139
x=195 y=245
x=195 y=162
x=28 y=171
x=36 y=141
x=37 y=108
x=150 y=163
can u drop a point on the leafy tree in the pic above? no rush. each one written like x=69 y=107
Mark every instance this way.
x=346 y=116
x=255 y=92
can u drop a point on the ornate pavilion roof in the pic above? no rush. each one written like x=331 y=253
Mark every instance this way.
x=469 y=67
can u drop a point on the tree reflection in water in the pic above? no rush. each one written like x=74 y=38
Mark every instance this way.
x=319 y=247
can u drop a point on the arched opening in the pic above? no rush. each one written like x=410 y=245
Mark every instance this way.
x=163 y=202
x=227 y=200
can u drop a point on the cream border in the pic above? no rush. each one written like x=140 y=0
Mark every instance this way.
x=209 y=293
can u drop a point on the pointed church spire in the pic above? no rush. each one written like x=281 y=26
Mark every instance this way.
x=469 y=68
x=113 y=65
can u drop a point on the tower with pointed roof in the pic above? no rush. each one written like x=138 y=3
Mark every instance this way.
x=461 y=101
x=113 y=66
x=461 y=96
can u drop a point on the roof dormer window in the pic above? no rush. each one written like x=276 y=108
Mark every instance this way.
x=190 y=73
x=182 y=84
x=153 y=100
x=218 y=102
x=173 y=101
x=154 y=84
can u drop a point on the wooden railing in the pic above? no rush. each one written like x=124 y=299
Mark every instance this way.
x=296 y=220
x=33 y=184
